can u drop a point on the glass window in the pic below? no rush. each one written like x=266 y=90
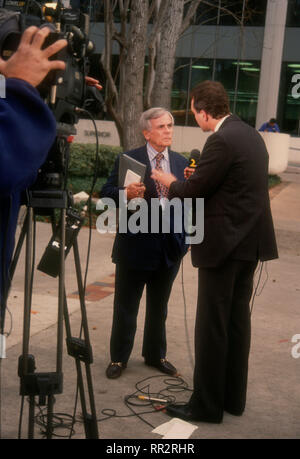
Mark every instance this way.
x=240 y=79
x=188 y=73
x=216 y=14
x=293 y=13
x=289 y=98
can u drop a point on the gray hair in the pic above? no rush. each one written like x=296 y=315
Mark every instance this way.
x=152 y=114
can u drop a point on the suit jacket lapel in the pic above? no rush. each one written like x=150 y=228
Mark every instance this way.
x=173 y=164
x=149 y=183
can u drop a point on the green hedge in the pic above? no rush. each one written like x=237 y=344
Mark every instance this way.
x=274 y=180
x=83 y=159
x=78 y=184
x=82 y=166
x=83 y=162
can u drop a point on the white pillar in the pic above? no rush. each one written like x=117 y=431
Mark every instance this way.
x=271 y=61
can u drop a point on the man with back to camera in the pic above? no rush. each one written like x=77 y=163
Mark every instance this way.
x=232 y=177
x=141 y=259
x=27 y=132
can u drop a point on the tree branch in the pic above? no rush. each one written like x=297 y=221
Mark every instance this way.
x=225 y=10
x=107 y=55
x=189 y=15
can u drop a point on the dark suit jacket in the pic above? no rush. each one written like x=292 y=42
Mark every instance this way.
x=232 y=177
x=145 y=250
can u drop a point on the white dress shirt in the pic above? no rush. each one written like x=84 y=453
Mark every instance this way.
x=165 y=162
x=220 y=123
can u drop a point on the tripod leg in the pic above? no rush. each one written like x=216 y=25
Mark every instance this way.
x=18 y=248
x=93 y=419
x=81 y=351
x=49 y=431
x=32 y=383
x=13 y=265
x=27 y=312
x=61 y=294
x=31 y=417
x=27 y=290
x=93 y=425
x=46 y=383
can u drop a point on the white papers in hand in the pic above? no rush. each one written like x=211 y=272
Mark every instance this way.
x=131 y=177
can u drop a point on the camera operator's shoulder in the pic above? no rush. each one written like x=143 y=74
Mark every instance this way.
x=18 y=86
x=25 y=102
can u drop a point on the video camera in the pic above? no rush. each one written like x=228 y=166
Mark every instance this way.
x=64 y=92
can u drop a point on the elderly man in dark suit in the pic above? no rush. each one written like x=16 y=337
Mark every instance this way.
x=232 y=177
x=145 y=259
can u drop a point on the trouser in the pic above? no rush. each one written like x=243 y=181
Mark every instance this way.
x=222 y=339
x=129 y=286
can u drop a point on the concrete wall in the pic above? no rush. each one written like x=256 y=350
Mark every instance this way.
x=281 y=147
x=185 y=138
x=278 y=148
x=294 y=152
x=107 y=132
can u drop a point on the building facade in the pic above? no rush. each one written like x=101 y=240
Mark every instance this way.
x=257 y=60
x=254 y=52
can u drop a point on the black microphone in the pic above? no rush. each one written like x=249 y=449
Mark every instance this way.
x=194 y=158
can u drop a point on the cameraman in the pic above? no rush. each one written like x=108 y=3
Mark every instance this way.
x=27 y=132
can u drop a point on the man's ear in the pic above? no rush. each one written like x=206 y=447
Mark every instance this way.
x=146 y=134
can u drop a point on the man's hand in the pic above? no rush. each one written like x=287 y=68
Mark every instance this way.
x=163 y=177
x=31 y=63
x=135 y=190
x=188 y=171
x=93 y=82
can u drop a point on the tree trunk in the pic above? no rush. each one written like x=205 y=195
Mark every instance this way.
x=134 y=74
x=125 y=98
x=165 y=61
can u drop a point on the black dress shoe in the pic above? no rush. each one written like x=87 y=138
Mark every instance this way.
x=114 y=369
x=184 y=412
x=164 y=366
x=234 y=412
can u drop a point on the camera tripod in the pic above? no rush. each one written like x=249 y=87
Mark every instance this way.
x=46 y=385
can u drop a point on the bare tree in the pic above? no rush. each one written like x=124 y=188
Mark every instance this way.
x=171 y=23
x=146 y=30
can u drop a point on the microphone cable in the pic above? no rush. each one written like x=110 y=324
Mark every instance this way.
x=88 y=203
x=147 y=400
x=255 y=293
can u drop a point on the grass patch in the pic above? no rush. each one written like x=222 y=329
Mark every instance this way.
x=274 y=180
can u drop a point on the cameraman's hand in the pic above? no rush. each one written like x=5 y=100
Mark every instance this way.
x=92 y=82
x=31 y=63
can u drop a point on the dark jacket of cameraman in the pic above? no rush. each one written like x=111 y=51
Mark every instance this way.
x=27 y=131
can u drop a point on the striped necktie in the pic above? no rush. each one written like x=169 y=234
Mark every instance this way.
x=162 y=190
